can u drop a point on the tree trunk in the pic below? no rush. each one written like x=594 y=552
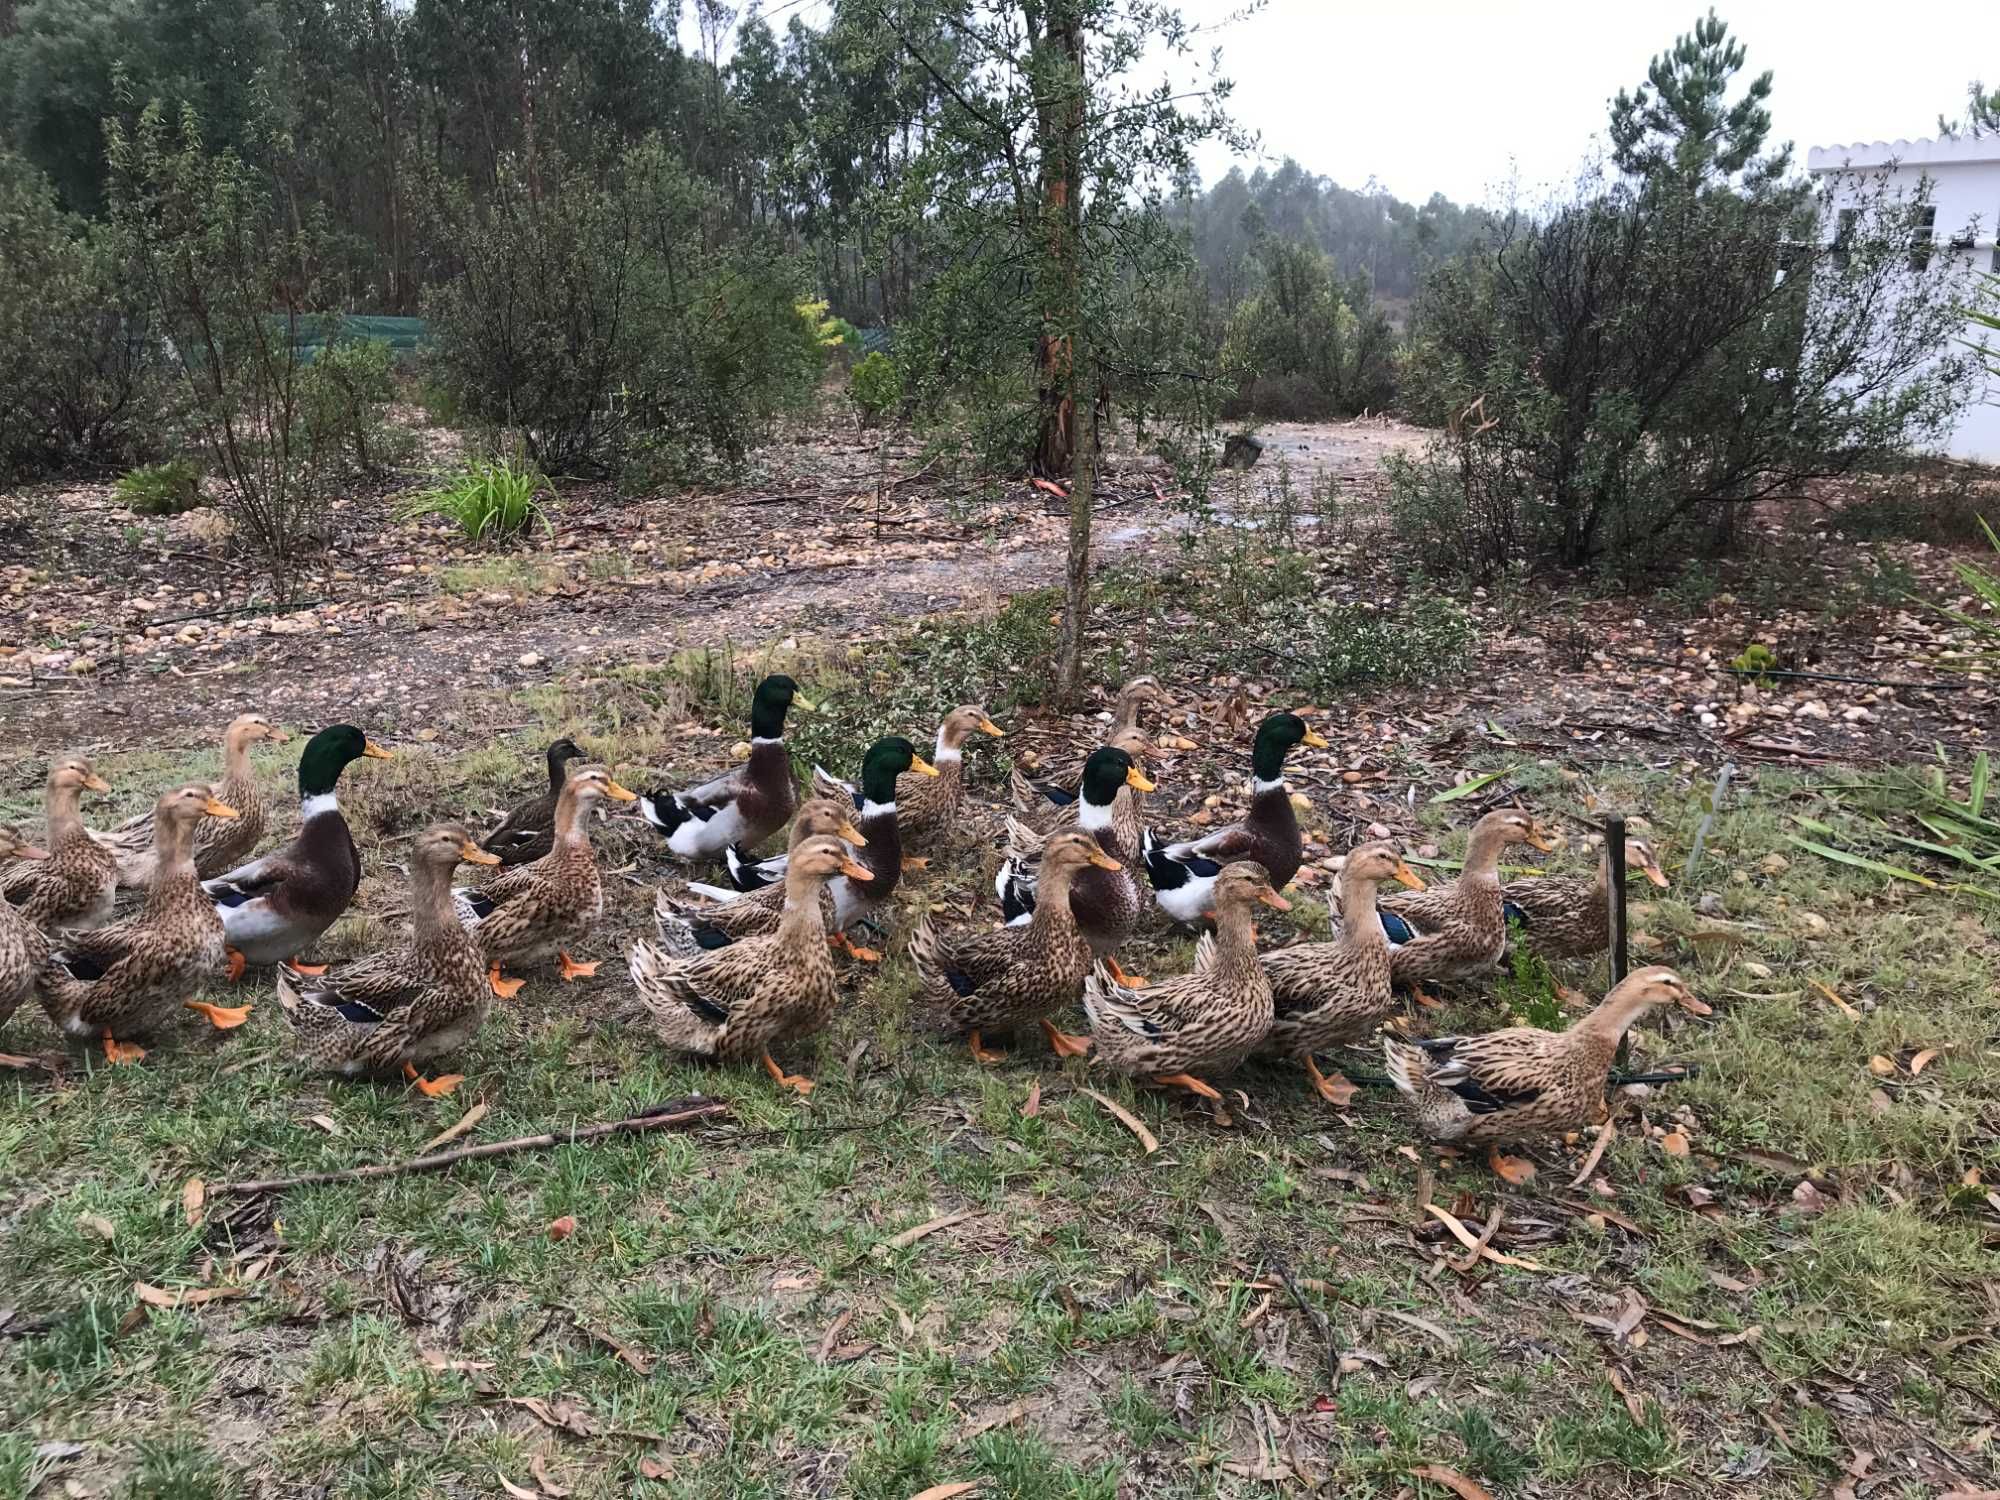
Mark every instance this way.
x=1076 y=572
x=1059 y=123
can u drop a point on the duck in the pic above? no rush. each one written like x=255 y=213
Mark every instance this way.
x=736 y=1002
x=745 y=805
x=389 y=1011
x=1522 y=1081
x=219 y=843
x=24 y=948
x=1324 y=995
x=1569 y=917
x=879 y=798
x=528 y=831
x=76 y=887
x=974 y=981
x=127 y=979
x=1458 y=930
x=537 y=910
x=1205 y=1021
x=1063 y=768
x=1105 y=901
x=928 y=805
x=276 y=906
x=1050 y=806
x=730 y=914
x=1184 y=874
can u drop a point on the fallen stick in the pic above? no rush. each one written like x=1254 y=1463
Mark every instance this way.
x=673 y=1116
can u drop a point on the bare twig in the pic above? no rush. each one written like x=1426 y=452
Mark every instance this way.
x=675 y=1115
x=1277 y=1262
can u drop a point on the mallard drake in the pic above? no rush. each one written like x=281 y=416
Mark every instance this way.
x=77 y=885
x=889 y=761
x=1327 y=994
x=1569 y=917
x=538 y=910
x=393 y=1010
x=1205 y=1021
x=219 y=843
x=1523 y=1081
x=529 y=831
x=1105 y=902
x=734 y=1003
x=1458 y=930
x=275 y=907
x=23 y=946
x=927 y=806
x=997 y=979
x=1051 y=806
x=128 y=979
x=1184 y=874
x=744 y=806
x=729 y=915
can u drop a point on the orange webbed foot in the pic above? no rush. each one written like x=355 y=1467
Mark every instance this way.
x=982 y=1055
x=118 y=1052
x=1429 y=1002
x=1189 y=1082
x=221 y=1017
x=1336 y=1090
x=784 y=1080
x=859 y=954
x=1130 y=981
x=915 y=862
x=298 y=966
x=1063 y=1044
x=570 y=970
x=506 y=989
x=1517 y=1170
x=234 y=964
x=433 y=1088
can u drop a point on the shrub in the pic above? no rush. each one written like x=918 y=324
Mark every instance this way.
x=1329 y=645
x=874 y=386
x=231 y=284
x=489 y=498
x=345 y=393
x=1305 y=345
x=169 y=489
x=78 y=379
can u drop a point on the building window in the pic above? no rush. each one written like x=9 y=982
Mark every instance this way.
x=1922 y=222
x=1843 y=235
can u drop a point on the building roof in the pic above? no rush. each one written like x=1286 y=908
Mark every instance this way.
x=1925 y=151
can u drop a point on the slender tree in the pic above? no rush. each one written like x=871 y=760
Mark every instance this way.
x=1680 y=123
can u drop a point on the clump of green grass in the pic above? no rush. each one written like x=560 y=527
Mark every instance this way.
x=165 y=489
x=489 y=498
x=1526 y=992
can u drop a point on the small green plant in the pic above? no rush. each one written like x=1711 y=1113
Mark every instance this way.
x=1527 y=991
x=169 y=489
x=489 y=498
x=1757 y=658
x=344 y=393
x=875 y=387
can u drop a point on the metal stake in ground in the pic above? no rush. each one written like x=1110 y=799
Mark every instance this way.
x=1614 y=850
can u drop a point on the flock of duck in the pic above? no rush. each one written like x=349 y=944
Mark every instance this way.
x=747 y=964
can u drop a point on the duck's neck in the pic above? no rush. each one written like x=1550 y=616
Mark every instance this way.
x=1097 y=817
x=801 y=921
x=1052 y=914
x=1128 y=713
x=1235 y=937
x=431 y=908
x=949 y=750
x=571 y=831
x=1482 y=857
x=318 y=805
x=62 y=807
x=1359 y=926
x=173 y=862
x=236 y=760
x=1607 y=1024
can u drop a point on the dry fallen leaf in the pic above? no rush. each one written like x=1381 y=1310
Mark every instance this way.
x=1147 y=1141
x=910 y=1236
x=97 y=1224
x=1881 y=1067
x=519 y=1492
x=1005 y=1416
x=1923 y=1060
x=1809 y=1199
x=946 y=1491
x=186 y=1296
x=1845 y=1009
x=563 y=1228
x=192 y=1197
x=325 y=1122
x=452 y=1132
x=655 y=1468
x=539 y=1467
x=1674 y=1143
x=1451 y=1479
x=1034 y=1105
x=562 y=1414
x=1466 y=1238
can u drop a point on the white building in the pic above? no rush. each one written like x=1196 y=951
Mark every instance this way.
x=1965 y=178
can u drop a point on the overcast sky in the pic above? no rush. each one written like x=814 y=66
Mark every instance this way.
x=1457 y=96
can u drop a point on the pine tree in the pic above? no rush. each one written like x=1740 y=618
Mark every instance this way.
x=1679 y=126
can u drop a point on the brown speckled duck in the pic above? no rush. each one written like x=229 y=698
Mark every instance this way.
x=1327 y=994
x=537 y=911
x=529 y=830
x=995 y=979
x=1205 y=1021
x=23 y=946
x=127 y=979
x=1569 y=917
x=734 y=1003
x=1521 y=1081
x=388 y=1012
x=1458 y=930
x=743 y=806
x=77 y=885
x=928 y=807
x=220 y=844
x=725 y=914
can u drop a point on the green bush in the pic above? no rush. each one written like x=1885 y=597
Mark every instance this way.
x=168 y=489
x=79 y=381
x=1306 y=345
x=345 y=393
x=875 y=386
x=489 y=498
x=1325 y=645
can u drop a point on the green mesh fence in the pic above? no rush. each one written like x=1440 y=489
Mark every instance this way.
x=404 y=336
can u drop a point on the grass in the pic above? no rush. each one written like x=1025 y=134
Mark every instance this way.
x=1102 y=1324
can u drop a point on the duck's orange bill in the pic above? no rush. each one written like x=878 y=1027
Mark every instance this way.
x=619 y=793
x=374 y=751
x=1272 y=898
x=854 y=871
x=217 y=809
x=1406 y=876
x=922 y=767
x=853 y=835
x=1136 y=779
x=473 y=854
x=1104 y=861
x=987 y=726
